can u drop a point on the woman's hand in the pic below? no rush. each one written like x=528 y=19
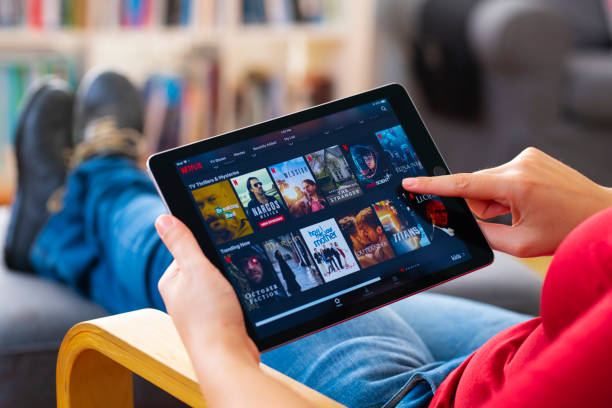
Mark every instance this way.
x=208 y=318
x=546 y=198
x=202 y=303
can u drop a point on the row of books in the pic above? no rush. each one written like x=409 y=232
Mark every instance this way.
x=179 y=108
x=263 y=95
x=184 y=108
x=52 y=14
x=290 y=11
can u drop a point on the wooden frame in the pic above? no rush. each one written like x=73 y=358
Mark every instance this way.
x=97 y=358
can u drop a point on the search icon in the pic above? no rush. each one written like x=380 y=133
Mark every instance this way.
x=383 y=108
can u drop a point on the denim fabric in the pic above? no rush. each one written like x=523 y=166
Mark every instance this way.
x=103 y=243
x=395 y=356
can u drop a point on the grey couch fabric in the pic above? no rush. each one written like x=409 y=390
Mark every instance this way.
x=588 y=94
x=37 y=313
x=506 y=283
x=585 y=20
x=545 y=72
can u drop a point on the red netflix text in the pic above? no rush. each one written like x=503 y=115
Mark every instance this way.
x=191 y=167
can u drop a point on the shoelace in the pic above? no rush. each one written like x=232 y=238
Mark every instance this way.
x=102 y=138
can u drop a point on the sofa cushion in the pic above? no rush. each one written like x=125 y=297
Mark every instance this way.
x=586 y=19
x=507 y=283
x=588 y=86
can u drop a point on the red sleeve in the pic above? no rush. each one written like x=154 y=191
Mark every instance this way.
x=574 y=371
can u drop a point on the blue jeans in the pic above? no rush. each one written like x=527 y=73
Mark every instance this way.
x=103 y=244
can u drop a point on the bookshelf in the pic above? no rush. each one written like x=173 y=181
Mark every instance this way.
x=300 y=63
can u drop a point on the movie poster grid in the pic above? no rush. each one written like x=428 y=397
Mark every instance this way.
x=260 y=197
x=369 y=163
x=222 y=212
x=297 y=187
x=366 y=236
x=276 y=269
x=400 y=152
x=401 y=225
x=325 y=177
x=329 y=249
x=333 y=175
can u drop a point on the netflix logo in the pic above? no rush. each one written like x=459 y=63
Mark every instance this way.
x=191 y=167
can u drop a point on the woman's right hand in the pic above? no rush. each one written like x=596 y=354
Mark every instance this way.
x=546 y=198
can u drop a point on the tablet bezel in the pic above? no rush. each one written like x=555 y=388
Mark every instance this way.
x=162 y=169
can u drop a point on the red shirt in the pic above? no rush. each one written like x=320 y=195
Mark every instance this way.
x=564 y=357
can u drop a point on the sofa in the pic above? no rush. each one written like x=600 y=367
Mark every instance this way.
x=544 y=71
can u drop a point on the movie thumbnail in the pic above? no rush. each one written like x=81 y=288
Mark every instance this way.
x=369 y=163
x=366 y=237
x=401 y=226
x=298 y=188
x=254 y=277
x=221 y=212
x=400 y=152
x=434 y=214
x=333 y=175
x=259 y=196
x=329 y=250
x=293 y=263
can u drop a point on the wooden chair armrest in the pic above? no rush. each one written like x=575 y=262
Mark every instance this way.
x=97 y=358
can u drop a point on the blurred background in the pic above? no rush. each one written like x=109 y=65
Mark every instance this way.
x=490 y=77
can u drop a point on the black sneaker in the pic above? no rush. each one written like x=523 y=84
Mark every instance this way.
x=107 y=118
x=42 y=144
x=106 y=94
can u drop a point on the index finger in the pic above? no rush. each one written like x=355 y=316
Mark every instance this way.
x=481 y=186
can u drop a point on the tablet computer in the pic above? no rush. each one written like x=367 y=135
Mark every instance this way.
x=306 y=217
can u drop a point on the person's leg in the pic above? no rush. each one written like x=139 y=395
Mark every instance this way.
x=453 y=327
x=362 y=362
x=103 y=242
x=385 y=356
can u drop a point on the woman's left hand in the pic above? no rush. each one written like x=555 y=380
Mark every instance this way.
x=207 y=315
x=201 y=302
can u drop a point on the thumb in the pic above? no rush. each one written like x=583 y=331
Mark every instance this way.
x=181 y=243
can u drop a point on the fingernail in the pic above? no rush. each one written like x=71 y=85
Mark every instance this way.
x=164 y=223
x=408 y=182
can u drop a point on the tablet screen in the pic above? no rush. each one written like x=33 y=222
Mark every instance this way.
x=309 y=219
